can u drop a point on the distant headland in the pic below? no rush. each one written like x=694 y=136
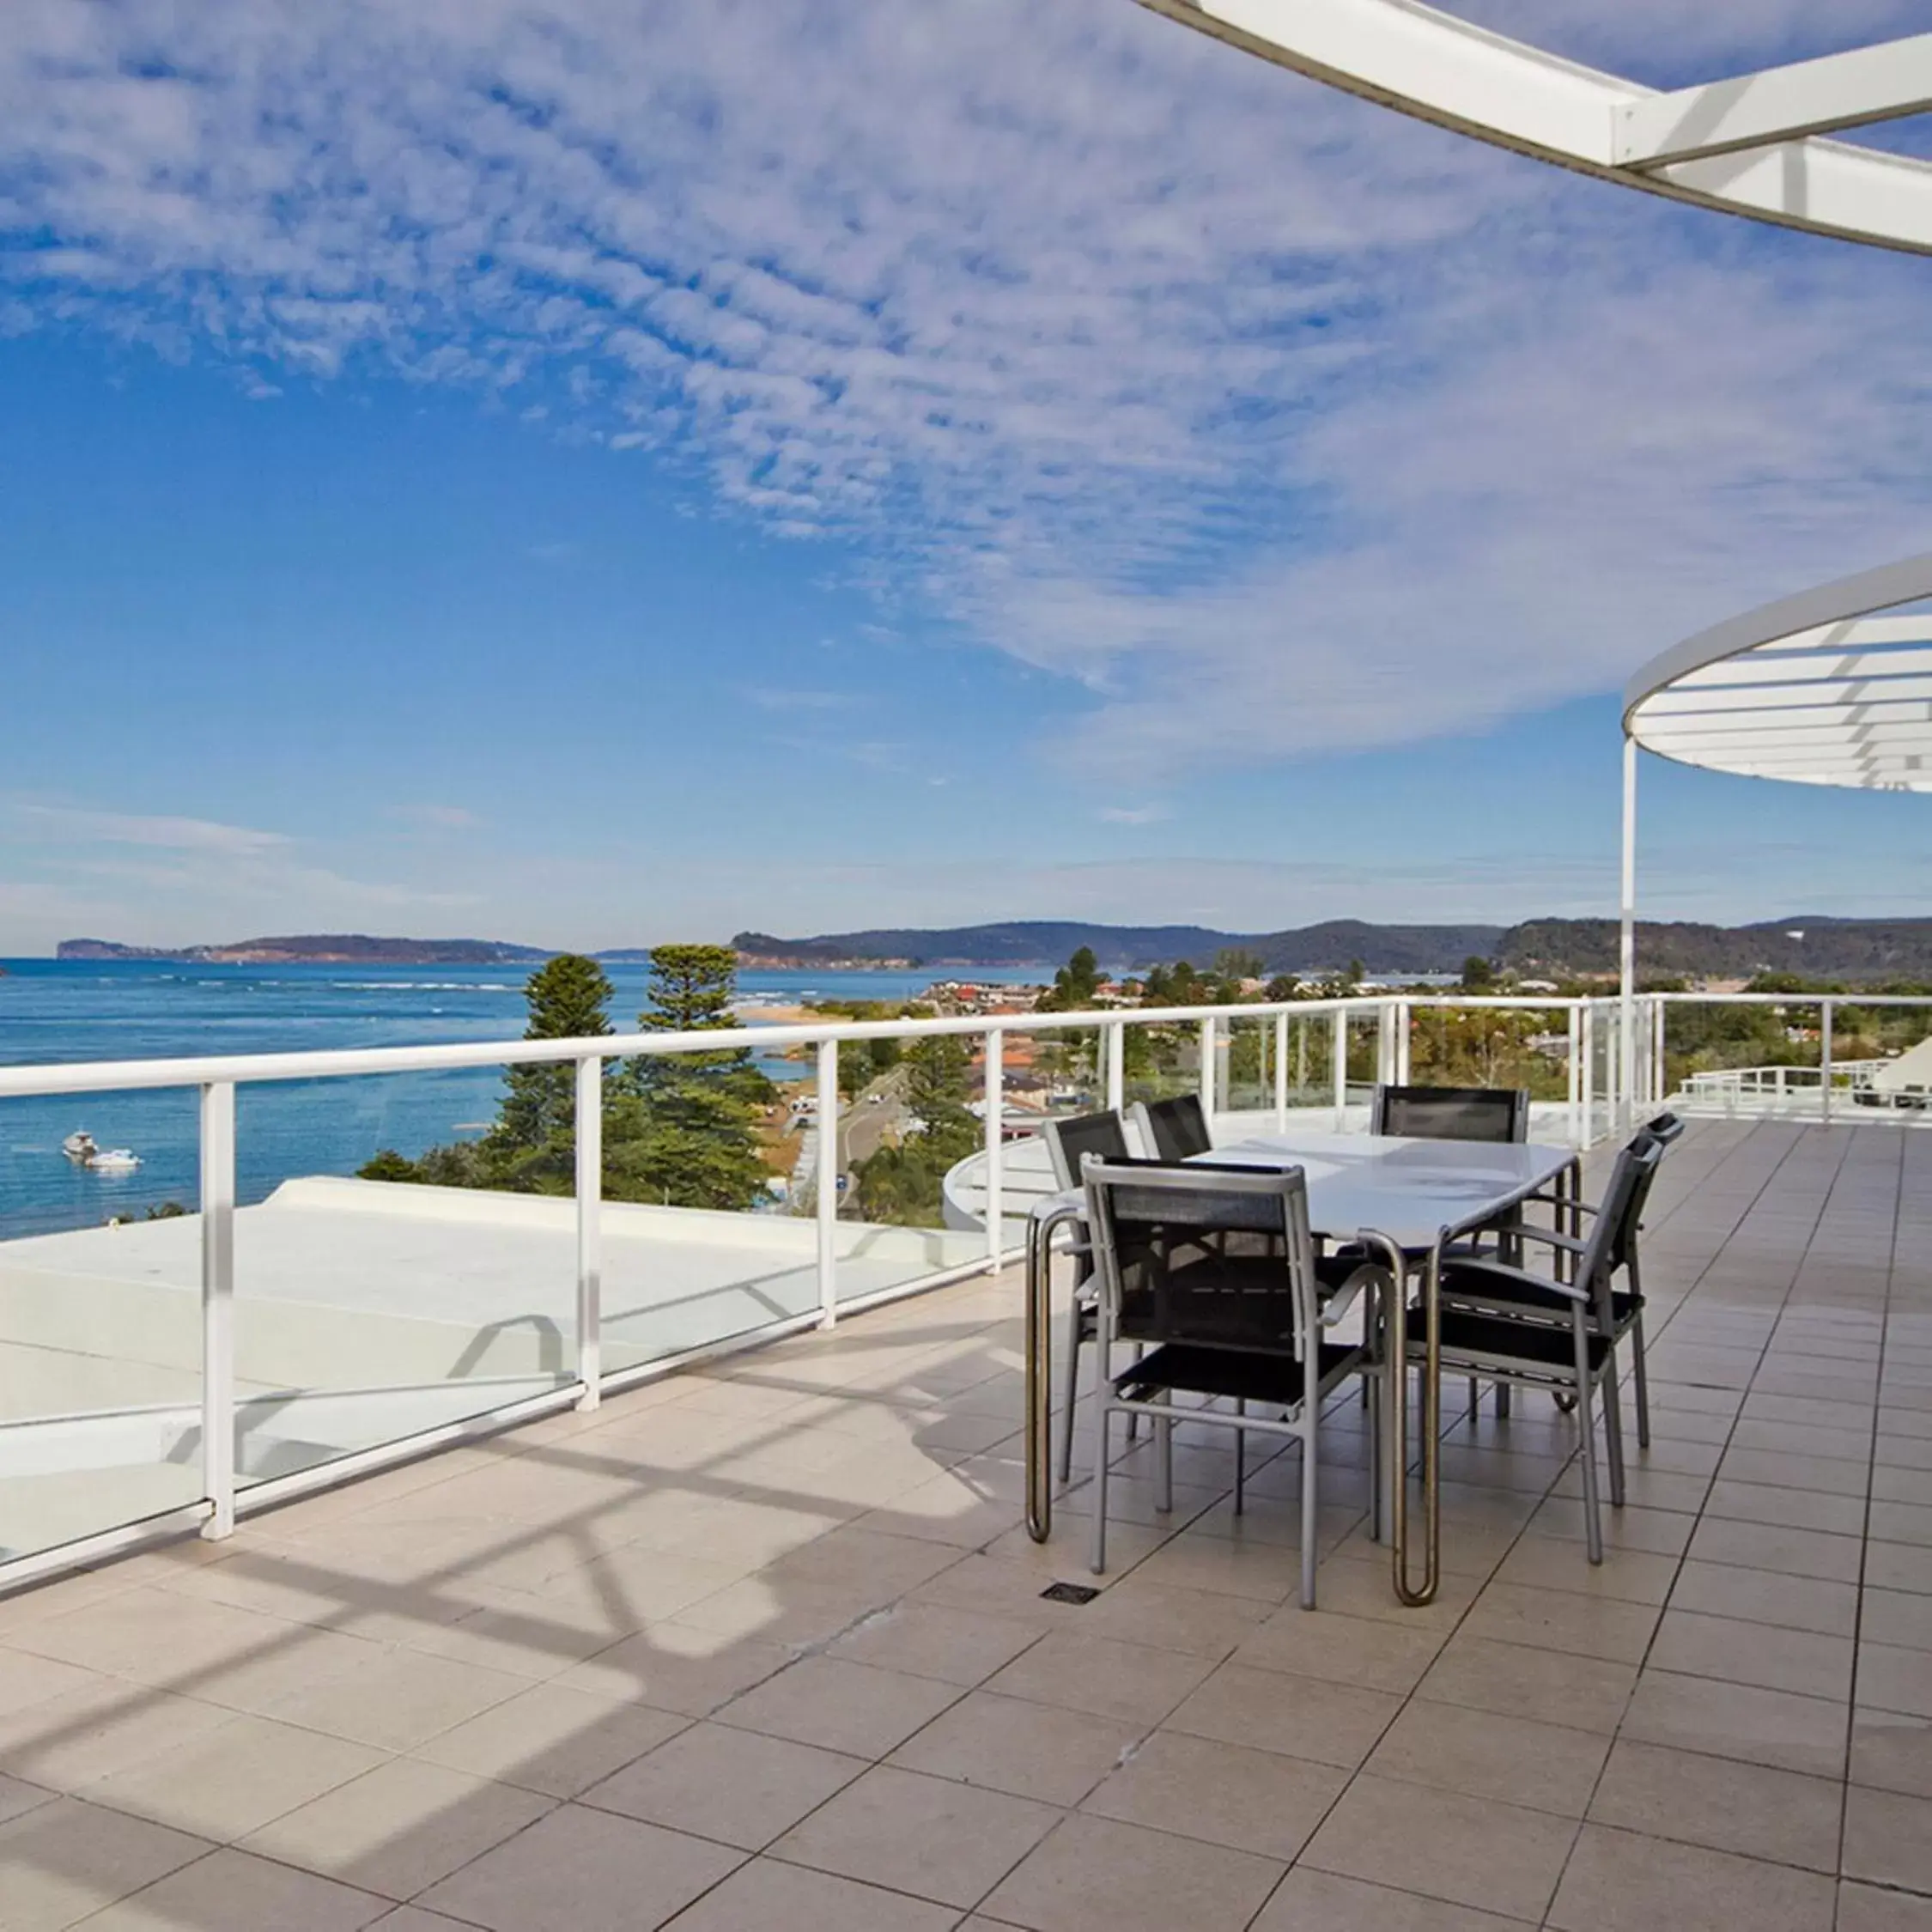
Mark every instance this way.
x=333 y=948
x=1864 y=950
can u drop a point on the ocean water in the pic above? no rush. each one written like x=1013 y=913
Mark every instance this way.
x=64 y=1011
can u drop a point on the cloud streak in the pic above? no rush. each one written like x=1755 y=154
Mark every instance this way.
x=1273 y=424
x=70 y=824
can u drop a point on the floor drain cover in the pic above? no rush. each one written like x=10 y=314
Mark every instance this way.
x=1070 y=1593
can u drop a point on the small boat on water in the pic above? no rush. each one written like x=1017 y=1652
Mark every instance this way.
x=80 y=1148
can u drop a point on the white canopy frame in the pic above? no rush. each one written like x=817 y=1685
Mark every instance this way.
x=1749 y=144
x=1826 y=688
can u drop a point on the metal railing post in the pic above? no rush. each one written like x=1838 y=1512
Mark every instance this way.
x=1402 y=1022
x=1281 y=1072
x=1339 y=1070
x=1574 y=1096
x=826 y=1207
x=1209 y=1046
x=996 y=1144
x=1825 y=1061
x=1589 y=1076
x=589 y=1230
x=217 y=1307
x=1660 y=1046
x=1114 y=1034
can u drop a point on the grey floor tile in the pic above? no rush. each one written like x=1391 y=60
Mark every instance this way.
x=1471 y=1851
x=931 y=1836
x=579 y=1870
x=61 y=1860
x=1095 y=1875
x=1620 y=1881
x=1754 y=1810
x=739 y=1787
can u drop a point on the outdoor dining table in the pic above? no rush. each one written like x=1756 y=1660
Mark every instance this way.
x=1405 y=1200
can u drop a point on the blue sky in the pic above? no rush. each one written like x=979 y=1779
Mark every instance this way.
x=531 y=471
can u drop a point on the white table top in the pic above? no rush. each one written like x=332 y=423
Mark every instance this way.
x=1407 y=1189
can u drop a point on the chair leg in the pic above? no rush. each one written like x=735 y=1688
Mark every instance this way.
x=1475 y=1398
x=1311 y=1414
x=1072 y=1389
x=1592 y=1520
x=1163 y=1432
x=1503 y=1394
x=1641 y=1375
x=1240 y=1460
x=1102 y=1415
x=1371 y=1393
x=1613 y=1429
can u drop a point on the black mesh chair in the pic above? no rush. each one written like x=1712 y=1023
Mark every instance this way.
x=1213 y=1270
x=1509 y=1325
x=1660 y=1133
x=1067 y=1143
x=1173 y=1130
x=1452 y=1112
x=1492 y=1114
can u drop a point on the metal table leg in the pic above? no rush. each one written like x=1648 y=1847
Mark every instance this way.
x=1396 y=1402
x=1039 y=1229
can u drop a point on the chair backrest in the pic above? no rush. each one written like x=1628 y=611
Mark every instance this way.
x=1614 y=1231
x=1173 y=1130
x=1452 y=1112
x=1162 y=1259
x=1664 y=1129
x=1068 y=1141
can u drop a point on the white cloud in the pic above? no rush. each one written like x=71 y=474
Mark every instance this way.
x=160 y=879
x=1278 y=422
x=68 y=824
x=1132 y=814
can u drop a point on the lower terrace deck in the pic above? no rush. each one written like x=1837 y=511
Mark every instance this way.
x=762 y=1645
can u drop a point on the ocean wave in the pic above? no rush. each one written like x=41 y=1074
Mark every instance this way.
x=425 y=986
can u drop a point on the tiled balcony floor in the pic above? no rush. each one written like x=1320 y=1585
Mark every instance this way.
x=764 y=1648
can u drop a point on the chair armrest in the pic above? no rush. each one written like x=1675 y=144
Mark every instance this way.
x=1337 y=1301
x=1504 y=1276
x=1551 y=1238
x=1564 y=1201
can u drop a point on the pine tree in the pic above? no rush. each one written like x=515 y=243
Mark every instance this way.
x=532 y=1146
x=686 y=1131
x=568 y=998
x=1074 y=985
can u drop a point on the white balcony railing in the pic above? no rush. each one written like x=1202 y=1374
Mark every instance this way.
x=172 y=1374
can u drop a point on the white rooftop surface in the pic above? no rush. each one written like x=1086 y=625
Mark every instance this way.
x=364 y=1311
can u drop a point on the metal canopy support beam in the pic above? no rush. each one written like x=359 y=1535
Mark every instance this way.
x=1626 y=949
x=1852 y=89
x=1423 y=61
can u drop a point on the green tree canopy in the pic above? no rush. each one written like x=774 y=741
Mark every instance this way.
x=904 y=1183
x=1074 y=985
x=570 y=998
x=685 y=1129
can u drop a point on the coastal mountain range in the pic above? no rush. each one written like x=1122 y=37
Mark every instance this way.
x=1850 y=949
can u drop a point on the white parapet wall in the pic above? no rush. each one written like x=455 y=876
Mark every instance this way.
x=365 y=1312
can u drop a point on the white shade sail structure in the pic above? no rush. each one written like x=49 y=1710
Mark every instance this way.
x=1750 y=144
x=1831 y=687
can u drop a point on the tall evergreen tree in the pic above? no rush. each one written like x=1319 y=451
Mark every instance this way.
x=532 y=1145
x=1074 y=985
x=570 y=998
x=685 y=1133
